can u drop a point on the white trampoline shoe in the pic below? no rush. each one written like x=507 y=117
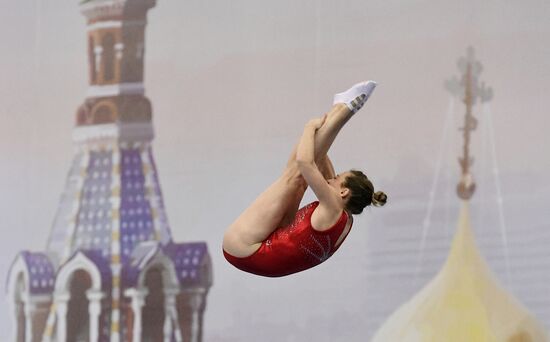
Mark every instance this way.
x=356 y=96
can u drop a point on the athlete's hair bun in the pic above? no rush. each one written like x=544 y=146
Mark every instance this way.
x=379 y=198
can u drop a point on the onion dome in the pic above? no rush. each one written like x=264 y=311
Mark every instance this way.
x=463 y=302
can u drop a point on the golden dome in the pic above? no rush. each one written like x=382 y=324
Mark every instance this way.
x=463 y=303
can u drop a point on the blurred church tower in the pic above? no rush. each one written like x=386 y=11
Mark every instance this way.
x=111 y=271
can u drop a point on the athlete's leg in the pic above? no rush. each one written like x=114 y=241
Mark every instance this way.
x=337 y=117
x=324 y=137
x=278 y=203
x=325 y=166
x=346 y=104
x=265 y=214
x=322 y=144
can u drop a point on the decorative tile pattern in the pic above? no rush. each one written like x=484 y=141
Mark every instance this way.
x=93 y=221
x=136 y=223
x=41 y=272
x=189 y=259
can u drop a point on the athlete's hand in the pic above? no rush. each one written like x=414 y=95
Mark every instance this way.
x=317 y=122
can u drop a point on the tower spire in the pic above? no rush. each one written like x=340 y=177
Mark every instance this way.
x=115 y=99
x=470 y=90
x=111 y=270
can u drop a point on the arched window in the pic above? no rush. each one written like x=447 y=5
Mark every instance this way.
x=108 y=57
x=102 y=115
x=78 y=319
x=153 y=311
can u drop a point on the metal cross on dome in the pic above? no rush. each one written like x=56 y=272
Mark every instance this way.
x=469 y=89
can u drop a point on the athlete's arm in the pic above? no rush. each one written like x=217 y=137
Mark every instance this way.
x=325 y=166
x=305 y=158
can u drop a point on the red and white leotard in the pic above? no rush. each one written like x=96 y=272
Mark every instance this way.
x=293 y=248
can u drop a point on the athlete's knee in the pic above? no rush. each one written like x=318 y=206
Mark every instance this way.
x=238 y=235
x=235 y=247
x=232 y=239
x=292 y=165
x=293 y=178
x=292 y=172
x=228 y=236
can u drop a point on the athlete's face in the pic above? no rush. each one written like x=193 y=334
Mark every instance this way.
x=338 y=180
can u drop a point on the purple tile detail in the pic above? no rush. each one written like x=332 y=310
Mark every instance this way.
x=41 y=272
x=92 y=234
x=136 y=223
x=93 y=225
x=189 y=260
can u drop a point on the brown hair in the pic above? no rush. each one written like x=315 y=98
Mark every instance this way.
x=362 y=193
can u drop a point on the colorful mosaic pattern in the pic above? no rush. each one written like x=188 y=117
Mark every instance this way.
x=136 y=223
x=188 y=259
x=41 y=272
x=112 y=212
x=93 y=227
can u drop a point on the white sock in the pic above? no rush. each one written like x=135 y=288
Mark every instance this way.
x=356 y=96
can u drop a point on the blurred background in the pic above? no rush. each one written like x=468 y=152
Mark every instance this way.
x=231 y=86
